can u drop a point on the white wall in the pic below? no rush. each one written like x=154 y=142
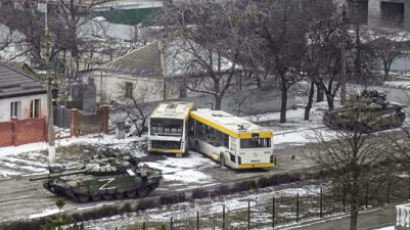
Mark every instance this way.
x=25 y=102
x=110 y=87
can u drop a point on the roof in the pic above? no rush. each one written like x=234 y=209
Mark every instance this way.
x=14 y=83
x=145 y=61
x=230 y=124
x=168 y=58
x=174 y=110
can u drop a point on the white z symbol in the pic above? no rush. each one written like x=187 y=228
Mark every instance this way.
x=104 y=186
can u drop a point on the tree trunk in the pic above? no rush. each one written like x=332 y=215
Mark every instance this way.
x=283 y=103
x=218 y=102
x=386 y=72
x=343 y=75
x=310 y=100
x=353 y=218
x=330 y=101
x=320 y=94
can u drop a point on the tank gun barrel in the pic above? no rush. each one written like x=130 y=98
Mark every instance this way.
x=56 y=175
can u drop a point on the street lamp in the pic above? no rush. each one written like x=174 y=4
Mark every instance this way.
x=51 y=147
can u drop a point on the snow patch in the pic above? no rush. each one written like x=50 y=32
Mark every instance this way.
x=46 y=212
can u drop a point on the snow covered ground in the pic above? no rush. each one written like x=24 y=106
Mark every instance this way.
x=212 y=207
x=403 y=84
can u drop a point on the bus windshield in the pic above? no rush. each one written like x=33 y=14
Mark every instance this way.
x=255 y=143
x=165 y=126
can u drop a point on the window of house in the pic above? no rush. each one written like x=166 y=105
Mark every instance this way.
x=128 y=89
x=35 y=108
x=15 y=109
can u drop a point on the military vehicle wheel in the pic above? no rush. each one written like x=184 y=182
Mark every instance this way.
x=143 y=192
x=83 y=198
x=96 y=197
x=107 y=196
x=131 y=194
x=119 y=195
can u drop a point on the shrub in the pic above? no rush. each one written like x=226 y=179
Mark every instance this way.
x=222 y=190
x=172 y=199
x=277 y=179
x=146 y=204
x=126 y=208
x=245 y=186
x=199 y=194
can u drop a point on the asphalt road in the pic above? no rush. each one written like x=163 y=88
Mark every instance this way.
x=20 y=198
x=371 y=219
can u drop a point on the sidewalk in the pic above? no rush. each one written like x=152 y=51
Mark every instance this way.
x=370 y=219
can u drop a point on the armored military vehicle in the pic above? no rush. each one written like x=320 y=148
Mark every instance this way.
x=368 y=112
x=98 y=181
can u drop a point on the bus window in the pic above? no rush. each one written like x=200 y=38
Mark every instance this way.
x=166 y=126
x=210 y=135
x=221 y=139
x=200 y=130
x=255 y=143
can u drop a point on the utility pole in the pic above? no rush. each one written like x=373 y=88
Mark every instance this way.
x=50 y=123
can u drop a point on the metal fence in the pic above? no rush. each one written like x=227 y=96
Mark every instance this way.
x=274 y=212
x=61 y=116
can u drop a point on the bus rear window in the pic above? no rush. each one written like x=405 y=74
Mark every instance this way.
x=255 y=143
x=166 y=126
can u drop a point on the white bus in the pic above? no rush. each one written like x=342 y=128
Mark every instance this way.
x=233 y=141
x=167 y=127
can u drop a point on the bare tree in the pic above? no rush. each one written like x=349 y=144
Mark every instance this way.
x=280 y=27
x=387 y=50
x=6 y=22
x=209 y=38
x=350 y=159
x=135 y=98
x=321 y=60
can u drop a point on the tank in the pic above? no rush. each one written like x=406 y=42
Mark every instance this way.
x=97 y=181
x=367 y=111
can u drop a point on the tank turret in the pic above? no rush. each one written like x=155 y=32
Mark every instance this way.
x=368 y=112
x=98 y=181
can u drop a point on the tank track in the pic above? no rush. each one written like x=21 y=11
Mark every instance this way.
x=82 y=198
x=330 y=120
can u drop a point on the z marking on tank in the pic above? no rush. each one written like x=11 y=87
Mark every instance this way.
x=109 y=180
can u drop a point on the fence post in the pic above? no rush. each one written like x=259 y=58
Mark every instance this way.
x=249 y=214
x=171 y=224
x=14 y=131
x=273 y=212
x=321 y=202
x=388 y=191
x=197 y=220
x=106 y=117
x=223 y=218
x=73 y=122
x=297 y=207
x=143 y=225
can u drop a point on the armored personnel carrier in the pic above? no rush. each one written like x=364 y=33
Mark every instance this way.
x=99 y=180
x=368 y=112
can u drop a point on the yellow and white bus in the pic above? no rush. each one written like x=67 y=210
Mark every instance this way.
x=167 y=127
x=235 y=142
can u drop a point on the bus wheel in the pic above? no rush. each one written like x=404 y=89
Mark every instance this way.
x=222 y=159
